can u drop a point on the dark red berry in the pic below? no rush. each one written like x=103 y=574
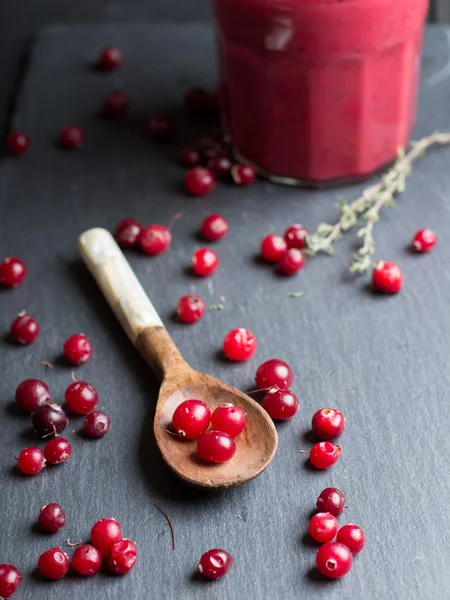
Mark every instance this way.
x=334 y=560
x=387 y=277
x=239 y=344
x=323 y=527
x=104 y=533
x=160 y=127
x=32 y=393
x=205 y=262
x=122 y=557
x=214 y=228
x=190 y=157
x=295 y=236
x=216 y=446
x=10 y=579
x=273 y=247
x=155 y=239
x=96 y=424
x=48 y=419
x=51 y=518
x=86 y=560
x=199 y=181
x=281 y=405
x=109 y=59
x=81 y=397
x=127 y=233
x=243 y=174
x=274 y=373
x=190 y=309
x=220 y=166
x=71 y=137
x=12 y=271
x=54 y=564
x=215 y=563
x=324 y=455
x=31 y=461
x=77 y=349
x=331 y=500
x=115 y=105
x=198 y=100
x=17 y=143
x=229 y=419
x=352 y=536
x=191 y=418
x=57 y=451
x=328 y=424
x=292 y=261
x=24 y=329
x=424 y=240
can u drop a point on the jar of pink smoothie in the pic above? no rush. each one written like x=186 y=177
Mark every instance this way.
x=319 y=91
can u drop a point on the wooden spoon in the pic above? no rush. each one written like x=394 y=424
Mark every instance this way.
x=256 y=446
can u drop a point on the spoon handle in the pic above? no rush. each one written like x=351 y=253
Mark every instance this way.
x=127 y=298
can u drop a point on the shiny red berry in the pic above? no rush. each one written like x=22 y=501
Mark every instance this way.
x=10 y=579
x=48 y=419
x=31 y=460
x=328 y=424
x=239 y=344
x=81 y=397
x=274 y=373
x=110 y=59
x=215 y=563
x=205 y=262
x=127 y=233
x=32 y=393
x=243 y=174
x=216 y=446
x=324 y=455
x=71 y=138
x=424 y=240
x=190 y=157
x=115 y=105
x=191 y=418
x=292 y=261
x=352 y=536
x=51 y=518
x=57 y=451
x=295 y=236
x=334 y=560
x=273 y=247
x=24 y=329
x=77 y=349
x=160 y=127
x=12 y=271
x=96 y=424
x=220 y=166
x=199 y=181
x=214 y=228
x=155 y=239
x=198 y=100
x=387 y=277
x=331 y=500
x=54 y=564
x=190 y=309
x=281 y=405
x=323 y=527
x=86 y=560
x=17 y=143
x=104 y=533
x=122 y=557
x=230 y=419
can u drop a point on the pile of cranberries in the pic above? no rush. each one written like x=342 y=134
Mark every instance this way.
x=286 y=251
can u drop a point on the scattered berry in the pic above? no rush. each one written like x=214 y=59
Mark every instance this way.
x=110 y=59
x=292 y=261
x=104 y=533
x=86 y=560
x=17 y=143
x=12 y=271
x=220 y=166
x=274 y=373
x=54 y=564
x=96 y=424
x=49 y=419
x=205 y=262
x=331 y=500
x=328 y=424
x=51 y=518
x=122 y=557
x=387 y=277
x=190 y=157
x=32 y=393
x=191 y=418
x=243 y=174
x=229 y=419
x=115 y=105
x=10 y=579
x=216 y=563
x=190 y=309
x=352 y=536
x=214 y=228
x=198 y=100
x=280 y=404
x=127 y=233
x=57 y=451
x=239 y=344
x=199 y=181
x=71 y=138
x=295 y=236
x=31 y=461
x=324 y=454
x=273 y=247
x=334 y=560
x=77 y=349
x=216 y=446
x=323 y=527
x=155 y=239
x=81 y=397
x=160 y=127
x=424 y=240
x=24 y=329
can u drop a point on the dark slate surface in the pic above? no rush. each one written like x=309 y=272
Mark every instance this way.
x=383 y=361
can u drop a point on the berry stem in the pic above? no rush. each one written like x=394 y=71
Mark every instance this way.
x=169 y=520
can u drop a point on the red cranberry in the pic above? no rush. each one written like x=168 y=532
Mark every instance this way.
x=190 y=309
x=77 y=349
x=115 y=105
x=54 y=564
x=96 y=424
x=10 y=579
x=160 y=127
x=331 y=500
x=128 y=232
x=274 y=373
x=292 y=261
x=323 y=527
x=387 y=277
x=48 y=419
x=324 y=455
x=24 y=329
x=334 y=560
x=281 y=405
x=86 y=560
x=229 y=419
x=122 y=557
x=220 y=166
x=155 y=239
x=191 y=418
x=199 y=181
x=216 y=446
x=81 y=397
x=205 y=262
x=239 y=344
x=295 y=236
x=198 y=100
x=214 y=228
x=273 y=247
x=328 y=424
x=104 y=533
x=71 y=137
x=12 y=271
x=57 y=451
x=216 y=563
x=32 y=393
x=190 y=157
x=31 y=461
x=17 y=143
x=110 y=59
x=352 y=536
x=243 y=174
x=424 y=240
x=51 y=518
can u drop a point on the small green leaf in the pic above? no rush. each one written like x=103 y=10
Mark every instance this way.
x=215 y=307
x=295 y=294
